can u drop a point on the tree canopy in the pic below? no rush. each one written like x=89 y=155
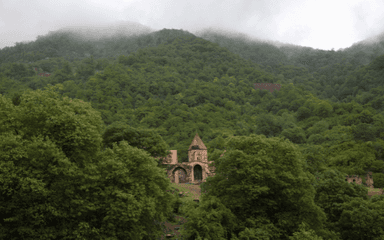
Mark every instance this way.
x=261 y=190
x=52 y=165
x=120 y=103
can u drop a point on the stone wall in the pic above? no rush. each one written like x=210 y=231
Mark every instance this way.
x=198 y=156
x=359 y=180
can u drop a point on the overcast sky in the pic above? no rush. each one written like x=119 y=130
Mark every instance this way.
x=324 y=24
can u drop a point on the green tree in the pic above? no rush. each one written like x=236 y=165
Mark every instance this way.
x=318 y=128
x=210 y=222
x=315 y=156
x=57 y=183
x=270 y=203
x=323 y=109
x=378 y=178
x=304 y=234
x=352 y=157
x=362 y=219
x=316 y=139
x=86 y=69
x=8 y=85
x=287 y=120
x=268 y=125
x=18 y=70
x=364 y=132
x=64 y=74
x=146 y=139
x=338 y=134
x=37 y=82
x=332 y=190
x=295 y=135
x=303 y=113
x=377 y=64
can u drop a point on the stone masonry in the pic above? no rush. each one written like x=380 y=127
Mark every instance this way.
x=197 y=169
x=358 y=180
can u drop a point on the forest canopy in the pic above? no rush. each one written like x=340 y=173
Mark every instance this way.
x=152 y=93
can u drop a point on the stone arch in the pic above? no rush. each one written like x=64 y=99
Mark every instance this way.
x=185 y=168
x=179 y=175
x=197 y=173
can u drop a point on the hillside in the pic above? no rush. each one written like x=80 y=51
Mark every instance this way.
x=174 y=84
x=202 y=86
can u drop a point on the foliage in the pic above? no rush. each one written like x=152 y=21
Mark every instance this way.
x=379 y=179
x=352 y=157
x=303 y=113
x=167 y=85
x=315 y=156
x=295 y=135
x=318 y=128
x=56 y=182
x=304 y=234
x=64 y=74
x=148 y=140
x=268 y=125
x=362 y=219
x=332 y=190
x=260 y=199
x=212 y=221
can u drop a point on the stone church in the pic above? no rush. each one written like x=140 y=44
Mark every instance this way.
x=197 y=169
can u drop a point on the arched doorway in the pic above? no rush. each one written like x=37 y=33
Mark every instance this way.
x=180 y=175
x=197 y=173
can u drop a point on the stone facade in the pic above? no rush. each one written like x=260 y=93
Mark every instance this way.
x=358 y=180
x=197 y=169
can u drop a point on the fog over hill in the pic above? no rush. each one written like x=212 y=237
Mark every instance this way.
x=104 y=31
x=317 y=24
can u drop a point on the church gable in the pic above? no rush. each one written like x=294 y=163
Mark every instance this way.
x=197 y=143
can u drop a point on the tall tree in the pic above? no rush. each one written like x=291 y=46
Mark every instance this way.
x=335 y=195
x=57 y=183
x=262 y=182
x=146 y=139
x=64 y=74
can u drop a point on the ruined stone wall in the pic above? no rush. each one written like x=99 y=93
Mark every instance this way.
x=359 y=180
x=198 y=156
x=171 y=158
x=174 y=168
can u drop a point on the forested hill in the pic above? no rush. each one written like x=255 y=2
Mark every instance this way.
x=176 y=84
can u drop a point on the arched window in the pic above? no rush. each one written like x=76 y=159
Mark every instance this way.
x=195 y=147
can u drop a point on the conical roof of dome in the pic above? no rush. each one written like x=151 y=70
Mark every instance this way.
x=197 y=141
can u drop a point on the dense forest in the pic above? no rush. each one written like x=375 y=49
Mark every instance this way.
x=157 y=90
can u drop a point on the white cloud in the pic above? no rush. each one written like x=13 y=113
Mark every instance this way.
x=319 y=24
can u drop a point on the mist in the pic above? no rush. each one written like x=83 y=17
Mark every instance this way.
x=318 y=24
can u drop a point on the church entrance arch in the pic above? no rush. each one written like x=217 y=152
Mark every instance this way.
x=197 y=173
x=180 y=175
